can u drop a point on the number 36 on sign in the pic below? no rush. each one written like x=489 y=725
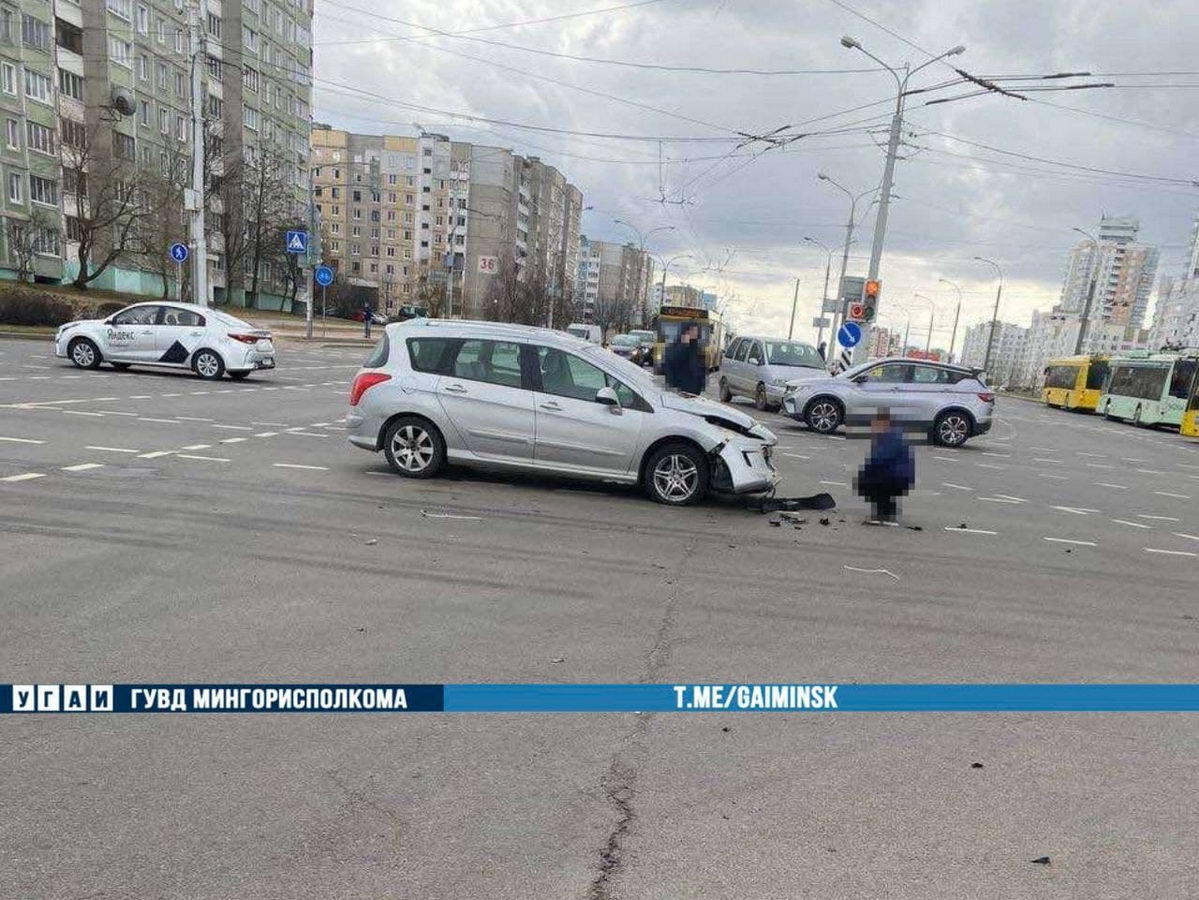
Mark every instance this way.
x=489 y=265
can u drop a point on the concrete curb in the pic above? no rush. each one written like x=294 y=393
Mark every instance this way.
x=26 y=336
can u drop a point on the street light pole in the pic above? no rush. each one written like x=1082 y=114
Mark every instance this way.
x=956 y=313
x=199 y=241
x=641 y=239
x=850 y=224
x=994 y=313
x=884 y=203
x=1086 y=311
x=794 y=303
x=928 y=341
x=828 y=263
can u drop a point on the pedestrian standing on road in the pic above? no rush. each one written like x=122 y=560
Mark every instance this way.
x=368 y=313
x=889 y=471
x=823 y=350
x=683 y=367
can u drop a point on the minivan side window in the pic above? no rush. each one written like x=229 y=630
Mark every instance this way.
x=741 y=348
x=493 y=362
x=753 y=356
x=430 y=354
x=731 y=350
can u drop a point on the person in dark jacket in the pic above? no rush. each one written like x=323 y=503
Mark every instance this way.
x=683 y=367
x=368 y=314
x=889 y=471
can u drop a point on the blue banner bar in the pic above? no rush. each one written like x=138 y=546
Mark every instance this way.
x=595 y=698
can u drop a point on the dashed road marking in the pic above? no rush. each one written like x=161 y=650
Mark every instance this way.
x=989 y=466
x=83 y=467
x=13 y=440
x=1098 y=466
x=1131 y=524
x=80 y=412
x=204 y=458
x=970 y=530
x=113 y=412
x=1075 y=510
x=1010 y=497
x=1158 y=518
x=24 y=476
x=1118 y=487
x=298 y=466
x=1000 y=500
x=196 y=447
x=1170 y=494
x=1150 y=472
x=233 y=427
x=266 y=434
x=232 y=440
x=1056 y=477
x=1070 y=541
x=1043 y=459
x=956 y=487
x=113 y=449
x=1131 y=459
x=194 y=419
x=1183 y=534
x=836 y=483
x=945 y=458
x=272 y=424
x=160 y=421
x=155 y=454
x=1170 y=552
x=1096 y=455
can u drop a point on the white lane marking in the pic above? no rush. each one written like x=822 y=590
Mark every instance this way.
x=306 y=433
x=1118 y=487
x=1170 y=552
x=39 y=378
x=318 y=424
x=1069 y=541
x=83 y=467
x=1131 y=524
x=989 y=466
x=1159 y=518
x=1169 y=494
x=1076 y=510
x=162 y=421
x=1000 y=500
x=970 y=530
x=379 y=473
x=198 y=393
x=196 y=447
x=266 y=434
x=226 y=391
x=154 y=454
x=1010 y=497
x=1047 y=475
x=80 y=412
x=957 y=487
x=113 y=412
x=794 y=455
x=1131 y=459
x=34 y=367
x=298 y=466
x=170 y=395
x=133 y=397
x=1183 y=534
x=1046 y=449
x=194 y=419
x=1098 y=466
x=113 y=449
x=836 y=483
x=1043 y=459
x=204 y=458
x=1096 y=455
x=234 y=427
x=24 y=476
x=272 y=424
x=990 y=453
x=232 y=440
x=1150 y=472
x=13 y=440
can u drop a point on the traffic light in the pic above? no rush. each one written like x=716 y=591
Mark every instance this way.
x=870 y=299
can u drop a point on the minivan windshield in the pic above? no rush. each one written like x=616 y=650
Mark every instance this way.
x=793 y=353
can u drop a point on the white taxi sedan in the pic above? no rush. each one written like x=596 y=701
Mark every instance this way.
x=177 y=335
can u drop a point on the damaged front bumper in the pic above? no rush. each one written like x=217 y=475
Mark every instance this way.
x=742 y=465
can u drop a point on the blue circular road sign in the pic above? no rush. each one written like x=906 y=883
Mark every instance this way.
x=849 y=334
x=179 y=252
x=324 y=276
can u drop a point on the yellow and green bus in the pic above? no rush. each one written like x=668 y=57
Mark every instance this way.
x=669 y=325
x=1149 y=389
x=1075 y=382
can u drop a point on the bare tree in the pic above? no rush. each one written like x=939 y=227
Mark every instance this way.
x=267 y=200
x=25 y=241
x=112 y=204
x=165 y=223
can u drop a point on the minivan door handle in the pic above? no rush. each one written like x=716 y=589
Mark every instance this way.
x=551 y=405
x=455 y=389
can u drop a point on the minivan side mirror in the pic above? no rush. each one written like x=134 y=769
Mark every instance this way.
x=607 y=396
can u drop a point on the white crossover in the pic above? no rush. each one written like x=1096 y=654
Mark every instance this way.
x=178 y=335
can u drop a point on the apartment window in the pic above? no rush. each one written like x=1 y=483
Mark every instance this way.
x=250 y=78
x=250 y=38
x=124 y=147
x=35 y=33
x=214 y=25
x=336 y=193
x=357 y=213
x=460 y=239
x=374 y=250
x=120 y=52
x=357 y=196
x=164 y=121
x=178 y=40
x=375 y=234
x=390 y=269
x=251 y=119
x=355 y=266
x=74 y=134
x=335 y=227
x=407 y=255
x=424 y=207
x=45 y=241
x=391 y=196
x=409 y=199
x=162 y=31
x=355 y=249
x=122 y=8
x=391 y=215
x=43 y=190
x=70 y=84
x=40 y=137
x=180 y=127
x=214 y=67
x=37 y=86
x=74 y=229
x=392 y=179
x=164 y=165
x=163 y=74
x=391 y=251
x=8 y=78
x=425 y=189
x=335 y=246
x=143 y=113
x=180 y=84
x=439 y=222
x=374 y=196
x=356 y=231
x=6 y=26
x=216 y=106
x=407 y=235
x=143 y=67
x=16 y=193
x=391 y=234
x=337 y=210
x=143 y=20
x=427 y=151
x=12 y=134
x=374 y=267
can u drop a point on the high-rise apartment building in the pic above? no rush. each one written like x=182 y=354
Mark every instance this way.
x=426 y=220
x=97 y=101
x=612 y=281
x=1007 y=349
x=1123 y=271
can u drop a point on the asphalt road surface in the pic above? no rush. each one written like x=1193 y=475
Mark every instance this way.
x=158 y=528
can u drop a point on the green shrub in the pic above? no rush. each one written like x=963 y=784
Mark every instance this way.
x=25 y=308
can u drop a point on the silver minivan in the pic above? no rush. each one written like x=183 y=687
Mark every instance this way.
x=760 y=368
x=515 y=397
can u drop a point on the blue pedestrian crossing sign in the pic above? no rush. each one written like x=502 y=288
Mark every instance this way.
x=179 y=252
x=323 y=275
x=297 y=242
x=849 y=334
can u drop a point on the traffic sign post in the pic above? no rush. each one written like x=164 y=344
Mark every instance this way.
x=324 y=277
x=179 y=253
x=849 y=335
x=296 y=242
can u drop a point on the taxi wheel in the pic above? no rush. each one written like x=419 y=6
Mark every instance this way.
x=240 y=376
x=84 y=354
x=208 y=365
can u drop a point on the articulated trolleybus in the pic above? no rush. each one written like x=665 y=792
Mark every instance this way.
x=1149 y=389
x=1075 y=382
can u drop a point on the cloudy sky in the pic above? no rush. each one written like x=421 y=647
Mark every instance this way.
x=742 y=213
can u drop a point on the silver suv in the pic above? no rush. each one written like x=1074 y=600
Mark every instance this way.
x=509 y=396
x=760 y=368
x=951 y=403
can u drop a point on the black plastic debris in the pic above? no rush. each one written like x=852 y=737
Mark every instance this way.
x=963 y=525
x=726 y=729
x=915 y=528
x=791 y=504
x=776 y=522
x=1041 y=860
x=976 y=765
x=824 y=521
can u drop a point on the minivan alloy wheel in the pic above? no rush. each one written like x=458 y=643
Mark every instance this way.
x=676 y=477
x=413 y=448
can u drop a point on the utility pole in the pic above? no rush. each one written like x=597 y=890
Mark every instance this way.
x=884 y=202
x=1086 y=311
x=828 y=264
x=195 y=204
x=956 y=313
x=794 y=303
x=994 y=313
x=850 y=224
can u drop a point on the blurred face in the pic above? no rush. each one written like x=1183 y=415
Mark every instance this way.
x=880 y=424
